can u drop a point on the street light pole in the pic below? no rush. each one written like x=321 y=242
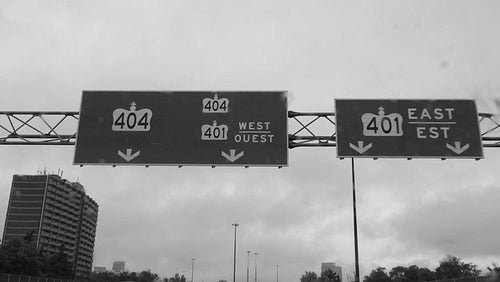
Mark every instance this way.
x=277 y=273
x=256 y=266
x=248 y=264
x=192 y=270
x=234 y=255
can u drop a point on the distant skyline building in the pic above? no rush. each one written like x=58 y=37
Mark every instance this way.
x=99 y=269
x=333 y=267
x=118 y=266
x=58 y=212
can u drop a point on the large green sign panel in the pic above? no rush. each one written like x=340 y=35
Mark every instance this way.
x=183 y=128
x=408 y=129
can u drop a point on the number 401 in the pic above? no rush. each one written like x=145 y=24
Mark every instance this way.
x=389 y=126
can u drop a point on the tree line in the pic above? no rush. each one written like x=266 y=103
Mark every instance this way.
x=144 y=276
x=451 y=267
x=20 y=256
x=327 y=276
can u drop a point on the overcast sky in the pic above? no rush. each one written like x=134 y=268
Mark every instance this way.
x=159 y=218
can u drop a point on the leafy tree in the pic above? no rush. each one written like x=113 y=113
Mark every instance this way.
x=453 y=267
x=177 y=278
x=494 y=270
x=378 y=275
x=20 y=256
x=494 y=267
x=103 y=277
x=330 y=276
x=398 y=273
x=411 y=274
x=424 y=274
x=147 y=276
x=126 y=276
x=59 y=265
x=132 y=277
x=106 y=276
x=309 y=276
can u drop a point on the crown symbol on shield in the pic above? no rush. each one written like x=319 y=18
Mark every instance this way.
x=132 y=120
x=132 y=106
x=215 y=105
x=214 y=131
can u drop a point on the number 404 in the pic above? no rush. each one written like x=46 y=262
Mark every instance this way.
x=132 y=121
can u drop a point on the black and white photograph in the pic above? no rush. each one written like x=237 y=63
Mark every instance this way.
x=249 y=141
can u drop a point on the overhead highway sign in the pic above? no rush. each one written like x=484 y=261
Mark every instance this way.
x=408 y=129
x=183 y=128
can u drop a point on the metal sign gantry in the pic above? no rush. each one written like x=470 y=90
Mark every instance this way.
x=310 y=129
x=307 y=129
x=38 y=128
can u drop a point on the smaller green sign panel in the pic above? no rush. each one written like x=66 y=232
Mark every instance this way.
x=183 y=128
x=407 y=129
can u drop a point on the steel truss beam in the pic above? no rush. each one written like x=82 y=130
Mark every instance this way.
x=310 y=129
x=319 y=130
x=38 y=128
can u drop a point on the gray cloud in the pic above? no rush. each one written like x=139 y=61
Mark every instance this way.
x=463 y=223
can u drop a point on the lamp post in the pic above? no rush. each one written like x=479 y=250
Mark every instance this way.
x=248 y=264
x=234 y=254
x=192 y=270
x=277 y=273
x=256 y=254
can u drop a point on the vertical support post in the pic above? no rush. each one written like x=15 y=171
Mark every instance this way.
x=248 y=264
x=255 y=266
x=234 y=254
x=356 y=255
x=192 y=270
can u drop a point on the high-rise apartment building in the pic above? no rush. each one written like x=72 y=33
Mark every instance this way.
x=58 y=212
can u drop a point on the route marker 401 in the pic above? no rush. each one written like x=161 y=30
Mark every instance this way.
x=407 y=129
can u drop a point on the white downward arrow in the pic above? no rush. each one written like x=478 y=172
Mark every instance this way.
x=129 y=156
x=457 y=149
x=232 y=155
x=360 y=148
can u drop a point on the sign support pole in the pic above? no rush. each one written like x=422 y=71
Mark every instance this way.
x=356 y=255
